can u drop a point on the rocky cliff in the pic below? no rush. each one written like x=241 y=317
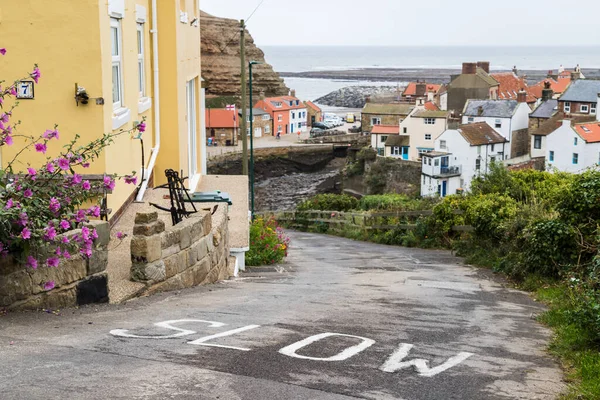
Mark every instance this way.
x=221 y=60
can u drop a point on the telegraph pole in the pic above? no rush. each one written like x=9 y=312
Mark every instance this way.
x=244 y=118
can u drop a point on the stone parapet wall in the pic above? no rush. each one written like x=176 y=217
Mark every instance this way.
x=78 y=281
x=194 y=252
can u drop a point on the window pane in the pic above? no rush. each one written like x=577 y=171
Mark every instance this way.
x=141 y=75
x=116 y=81
x=139 y=36
x=115 y=41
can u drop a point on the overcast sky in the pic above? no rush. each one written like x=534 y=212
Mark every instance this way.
x=416 y=22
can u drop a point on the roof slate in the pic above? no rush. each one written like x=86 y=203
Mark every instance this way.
x=546 y=109
x=387 y=109
x=491 y=108
x=480 y=133
x=255 y=112
x=556 y=121
x=411 y=89
x=583 y=91
x=399 y=140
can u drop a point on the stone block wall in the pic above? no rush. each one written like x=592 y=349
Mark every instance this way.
x=78 y=281
x=520 y=143
x=194 y=252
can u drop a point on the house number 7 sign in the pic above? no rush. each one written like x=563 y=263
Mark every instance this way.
x=25 y=90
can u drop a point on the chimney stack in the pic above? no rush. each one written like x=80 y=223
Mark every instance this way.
x=293 y=92
x=522 y=96
x=420 y=89
x=484 y=65
x=575 y=76
x=480 y=110
x=515 y=70
x=367 y=99
x=547 y=92
x=469 y=68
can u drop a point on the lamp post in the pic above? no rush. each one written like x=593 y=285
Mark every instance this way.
x=250 y=64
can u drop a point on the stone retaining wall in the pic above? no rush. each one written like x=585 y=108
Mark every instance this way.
x=78 y=281
x=194 y=252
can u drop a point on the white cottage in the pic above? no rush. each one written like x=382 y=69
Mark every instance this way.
x=508 y=117
x=460 y=155
x=379 y=135
x=574 y=147
x=424 y=127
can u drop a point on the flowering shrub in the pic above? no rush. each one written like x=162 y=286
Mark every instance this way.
x=268 y=243
x=40 y=203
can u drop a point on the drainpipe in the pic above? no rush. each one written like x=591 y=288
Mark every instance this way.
x=140 y=196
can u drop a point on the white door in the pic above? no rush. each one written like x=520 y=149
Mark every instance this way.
x=257 y=132
x=191 y=120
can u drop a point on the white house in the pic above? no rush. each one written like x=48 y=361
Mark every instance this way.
x=397 y=146
x=424 y=127
x=459 y=156
x=379 y=135
x=505 y=116
x=574 y=147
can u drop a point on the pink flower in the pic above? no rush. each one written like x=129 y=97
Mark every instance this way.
x=41 y=148
x=3 y=51
x=65 y=240
x=9 y=204
x=31 y=172
x=28 y=193
x=85 y=233
x=80 y=217
x=64 y=224
x=4 y=118
x=49 y=285
x=66 y=255
x=50 y=168
x=85 y=165
x=13 y=90
x=121 y=235
x=50 y=234
x=63 y=164
x=8 y=140
x=131 y=180
x=26 y=233
x=54 y=205
x=142 y=127
x=77 y=179
x=23 y=219
x=36 y=74
x=109 y=183
x=50 y=134
x=86 y=185
x=32 y=262
x=58 y=252
x=94 y=234
x=95 y=211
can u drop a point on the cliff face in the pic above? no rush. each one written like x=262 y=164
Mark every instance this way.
x=221 y=60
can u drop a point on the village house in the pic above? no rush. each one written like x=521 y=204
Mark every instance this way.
x=474 y=82
x=419 y=90
x=574 y=147
x=314 y=113
x=397 y=146
x=261 y=122
x=383 y=114
x=459 y=156
x=580 y=98
x=546 y=109
x=288 y=113
x=221 y=127
x=508 y=117
x=423 y=127
x=380 y=134
x=117 y=86
x=510 y=84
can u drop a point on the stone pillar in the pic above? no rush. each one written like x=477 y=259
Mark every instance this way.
x=146 y=250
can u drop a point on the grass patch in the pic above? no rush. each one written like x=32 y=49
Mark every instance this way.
x=572 y=343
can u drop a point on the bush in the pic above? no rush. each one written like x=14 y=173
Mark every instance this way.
x=268 y=243
x=329 y=202
x=394 y=202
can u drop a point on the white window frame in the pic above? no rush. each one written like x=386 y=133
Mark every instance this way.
x=395 y=151
x=279 y=129
x=567 y=107
x=470 y=119
x=279 y=118
x=443 y=144
x=376 y=121
x=584 y=108
x=429 y=121
x=498 y=123
x=141 y=59
x=117 y=61
x=428 y=136
x=537 y=142
x=267 y=129
x=265 y=117
x=593 y=109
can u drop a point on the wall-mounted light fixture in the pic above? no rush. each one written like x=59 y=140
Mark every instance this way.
x=81 y=96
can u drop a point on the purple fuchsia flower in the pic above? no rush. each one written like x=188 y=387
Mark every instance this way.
x=49 y=285
x=94 y=211
x=28 y=193
x=23 y=219
x=63 y=164
x=142 y=127
x=26 y=233
x=4 y=118
x=131 y=180
x=64 y=224
x=50 y=134
x=86 y=185
x=80 y=216
x=31 y=172
x=54 y=205
x=109 y=183
x=65 y=240
x=120 y=235
x=94 y=234
x=85 y=165
x=41 y=148
x=9 y=204
x=13 y=91
x=3 y=51
x=32 y=262
x=8 y=140
x=53 y=262
x=50 y=168
x=66 y=255
x=36 y=74
x=77 y=179
x=50 y=234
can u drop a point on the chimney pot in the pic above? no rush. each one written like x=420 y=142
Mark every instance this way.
x=469 y=68
x=480 y=110
x=484 y=65
x=522 y=96
x=293 y=92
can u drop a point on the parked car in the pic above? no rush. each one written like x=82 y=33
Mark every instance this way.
x=350 y=118
x=316 y=131
x=320 y=125
x=334 y=122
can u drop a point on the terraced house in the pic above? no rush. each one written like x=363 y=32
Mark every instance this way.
x=383 y=114
x=288 y=113
x=100 y=74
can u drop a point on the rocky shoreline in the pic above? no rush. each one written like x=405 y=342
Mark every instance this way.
x=355 y=96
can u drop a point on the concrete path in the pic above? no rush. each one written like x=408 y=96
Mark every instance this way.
x=340 y=320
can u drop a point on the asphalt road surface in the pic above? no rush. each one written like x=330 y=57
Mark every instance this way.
x=339 y=320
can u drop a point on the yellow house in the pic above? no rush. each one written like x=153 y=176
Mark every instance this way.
x=135 y=59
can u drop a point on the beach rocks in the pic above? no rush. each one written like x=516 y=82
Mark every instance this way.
x=355 y=96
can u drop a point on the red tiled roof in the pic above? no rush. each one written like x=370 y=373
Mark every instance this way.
x=589 y=132
x=313 y=106
x=557 y=86
x=430 y=106
x=411 y=89
x=285 y=103
x=385 y=130
x=510 y=85
x=221 y=118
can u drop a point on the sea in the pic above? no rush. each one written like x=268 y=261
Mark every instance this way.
x=332 y=58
